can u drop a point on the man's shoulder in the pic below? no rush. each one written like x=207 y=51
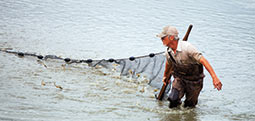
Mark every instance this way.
x=184 y=45
x=188 y=47
x=185 y=42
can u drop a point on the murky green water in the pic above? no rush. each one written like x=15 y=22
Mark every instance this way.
x=223 y=31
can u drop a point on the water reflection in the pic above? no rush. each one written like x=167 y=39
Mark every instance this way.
x=223 y=31
x=185 y=114
x=177 y=114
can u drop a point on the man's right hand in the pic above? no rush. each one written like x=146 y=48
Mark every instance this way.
x=164 y=80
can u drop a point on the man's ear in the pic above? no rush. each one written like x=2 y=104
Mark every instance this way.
x=171 y=37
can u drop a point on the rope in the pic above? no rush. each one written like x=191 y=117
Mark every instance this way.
x=70 y=61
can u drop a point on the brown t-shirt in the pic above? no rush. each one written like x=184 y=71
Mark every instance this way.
x=186 y=53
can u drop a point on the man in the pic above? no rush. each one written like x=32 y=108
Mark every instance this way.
x=185 y=63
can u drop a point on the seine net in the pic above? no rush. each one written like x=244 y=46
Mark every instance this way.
x=150 y=67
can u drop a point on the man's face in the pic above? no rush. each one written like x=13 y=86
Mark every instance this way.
x=166 y=41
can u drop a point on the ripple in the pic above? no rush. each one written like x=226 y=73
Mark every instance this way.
x=223 y=31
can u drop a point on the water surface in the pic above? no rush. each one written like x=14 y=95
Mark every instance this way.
x=223 y=30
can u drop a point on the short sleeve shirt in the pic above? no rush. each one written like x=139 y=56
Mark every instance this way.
x=186 y=53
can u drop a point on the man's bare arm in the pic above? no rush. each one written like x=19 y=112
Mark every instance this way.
x=167 y=73
x=216 y=82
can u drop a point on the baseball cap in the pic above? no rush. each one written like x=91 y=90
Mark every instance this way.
x=168 y=30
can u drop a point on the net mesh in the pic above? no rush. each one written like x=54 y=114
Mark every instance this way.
x=150 y=67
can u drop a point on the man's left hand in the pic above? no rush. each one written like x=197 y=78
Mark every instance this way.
x=217 y=84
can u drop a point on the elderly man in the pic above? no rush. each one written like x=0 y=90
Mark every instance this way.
x=185 y=63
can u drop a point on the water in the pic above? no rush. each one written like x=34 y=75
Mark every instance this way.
x=223 y=30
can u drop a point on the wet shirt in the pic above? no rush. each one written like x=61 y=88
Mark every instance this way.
x=186 y=53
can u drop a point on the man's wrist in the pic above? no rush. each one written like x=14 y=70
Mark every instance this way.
x=164 y=78
x=214 y=76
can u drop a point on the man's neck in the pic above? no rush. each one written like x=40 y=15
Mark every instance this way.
x=175 y=45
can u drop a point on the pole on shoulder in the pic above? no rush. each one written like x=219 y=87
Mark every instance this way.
x=185 y=38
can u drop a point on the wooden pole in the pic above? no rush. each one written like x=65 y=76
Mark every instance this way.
x=185 y=38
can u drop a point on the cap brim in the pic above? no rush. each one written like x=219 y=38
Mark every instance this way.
x=161 y=35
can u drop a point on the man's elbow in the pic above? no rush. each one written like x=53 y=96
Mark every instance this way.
x=203 y=60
